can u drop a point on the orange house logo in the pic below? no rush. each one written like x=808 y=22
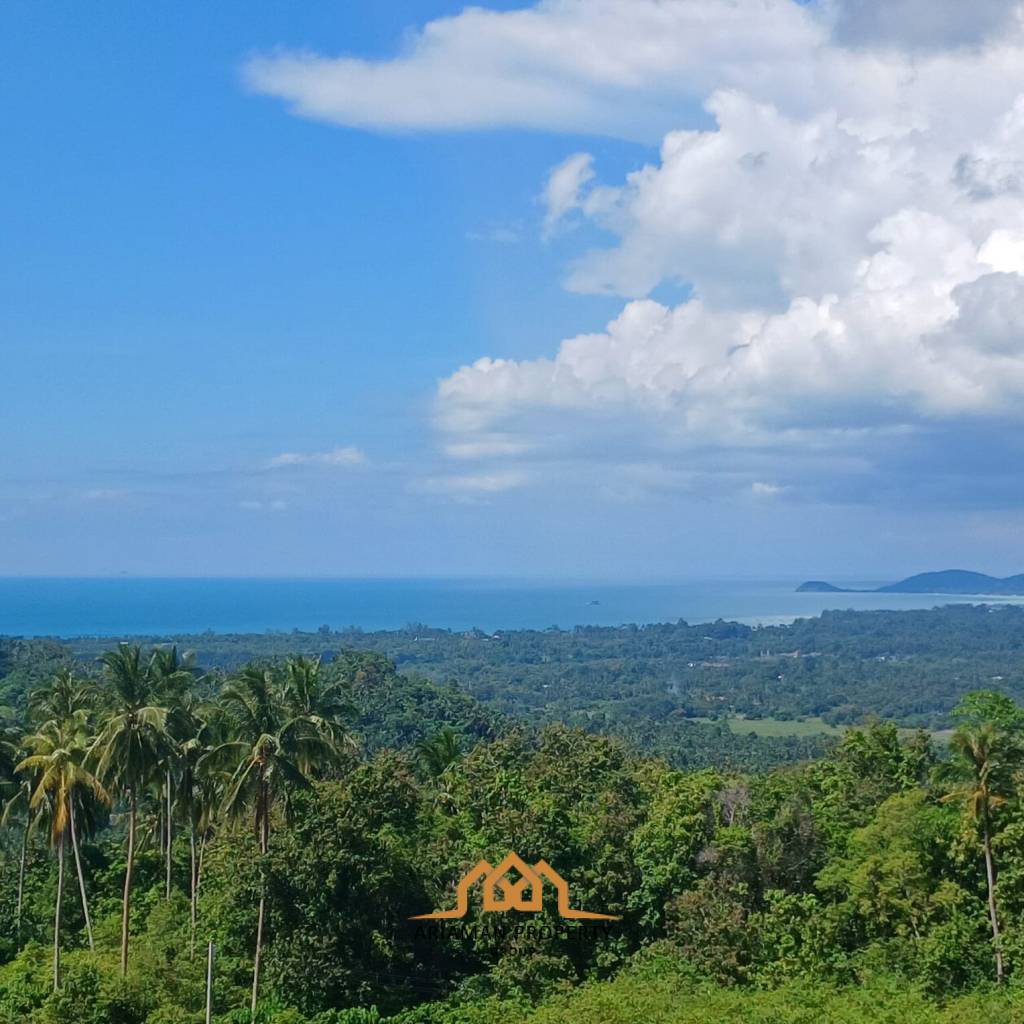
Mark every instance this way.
x=501 y=894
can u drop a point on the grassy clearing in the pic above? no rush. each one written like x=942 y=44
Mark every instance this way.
x=805 y=727
x=778 y=727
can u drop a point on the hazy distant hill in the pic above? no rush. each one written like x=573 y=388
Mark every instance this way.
x=947 y=581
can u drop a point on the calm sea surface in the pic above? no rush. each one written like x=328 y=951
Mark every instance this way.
x=112 y=607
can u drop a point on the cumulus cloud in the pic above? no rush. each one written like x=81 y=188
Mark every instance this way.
x=853 y=255
x=347 y=456
x=839 y=191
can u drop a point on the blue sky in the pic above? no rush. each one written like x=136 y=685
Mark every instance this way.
x=198 y=282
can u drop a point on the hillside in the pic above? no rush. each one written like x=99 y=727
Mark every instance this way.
x=651 y=682
x=945 y=581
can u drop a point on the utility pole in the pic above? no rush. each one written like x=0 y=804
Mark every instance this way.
x=209 y=983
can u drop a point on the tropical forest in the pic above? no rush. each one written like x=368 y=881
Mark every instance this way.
x=188 y=836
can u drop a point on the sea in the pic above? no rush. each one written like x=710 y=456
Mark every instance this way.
x=127 y=606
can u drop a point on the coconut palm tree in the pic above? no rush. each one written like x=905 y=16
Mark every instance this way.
x=15 y=792
x=201 y=791
x=72 y=735
x=278 y=745
x=983 y=760
x=438 y=752
x=16 y=808
x=57 y=771
x=68 y=702
x=61 y=699
x=10 y=742
x=130 y=748
x=172 y=677
x=322 y=702
x=8 y=753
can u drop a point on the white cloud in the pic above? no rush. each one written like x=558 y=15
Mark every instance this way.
x=854 y=256
x=562 y=191
x=468 y=484
x=487 y=447
x=347 y=456
x=1004 y=251
x=839 y=191
x=765 y=490
x=617 y=67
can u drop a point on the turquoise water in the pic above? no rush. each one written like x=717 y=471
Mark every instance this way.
x=118 y=607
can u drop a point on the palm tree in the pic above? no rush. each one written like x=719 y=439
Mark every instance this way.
x=56 y=767
x=131 y=747
x=171 y=678
x=201 y=793
x=10 y=741
x=322 y=702
x=68 y=702
x=278 y=744
x=16 y=807
x=8 y=753
x=67 y=738
x=982 y=772
x=61 y=699
x=438 y=752
x=16 y=792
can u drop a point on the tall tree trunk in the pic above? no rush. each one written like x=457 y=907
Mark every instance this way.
x=21 y=882
x=199 y=871
x=264 y=830
x=78 y=869
x=990 y=876
x=167 y=893
x=56 y=913
x=193 y=885
x=199 y=865
x=126 y=900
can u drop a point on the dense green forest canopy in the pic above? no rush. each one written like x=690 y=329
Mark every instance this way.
x=297 y=813
x=401 y=708
x=910 y=667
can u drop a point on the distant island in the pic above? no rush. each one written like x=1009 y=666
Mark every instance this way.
x=947 y=581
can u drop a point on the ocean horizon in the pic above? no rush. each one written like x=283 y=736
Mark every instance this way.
x=135 y=606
